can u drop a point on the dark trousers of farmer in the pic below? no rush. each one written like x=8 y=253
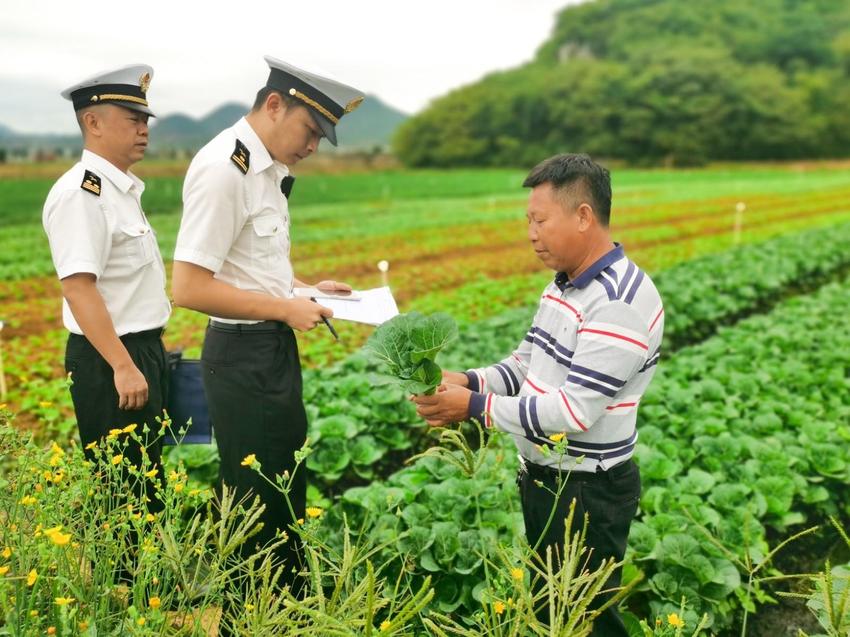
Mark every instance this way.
x=609 y=498
x=96 y=406
x=252 y=379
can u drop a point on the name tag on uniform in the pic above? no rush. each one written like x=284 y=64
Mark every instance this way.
x=187 y=404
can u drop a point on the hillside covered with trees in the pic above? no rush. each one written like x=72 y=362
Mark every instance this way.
x=657 y=81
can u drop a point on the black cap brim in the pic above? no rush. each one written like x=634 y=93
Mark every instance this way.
x=133 y=107
x=328 y=129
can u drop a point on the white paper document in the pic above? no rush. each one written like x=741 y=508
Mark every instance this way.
x=375 y=306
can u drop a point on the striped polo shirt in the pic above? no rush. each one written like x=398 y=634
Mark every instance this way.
x=581 y=369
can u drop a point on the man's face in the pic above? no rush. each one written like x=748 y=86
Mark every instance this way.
x=124 y=134
x=554 y=229
x=294 y=136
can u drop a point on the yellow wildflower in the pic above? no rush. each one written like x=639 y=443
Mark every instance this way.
x=84 y=626
x=114 y=432
x=91 y=445
x=557 y=437
x=385 y=626
x=117 y=459
x=33 y=613
x=150 y=517
x=499 y=607
x=64 y=601
x=313 y=512
x=248 y=460
x=28 y=500
x=7 y=553
x=44 y=404
x=51 y=630
x=141 y=621
x=31 y=577
x=173 y=476
x=154 y=602
x=518 y=574
x=249 y=607
x=674 y=620
x=57 y=449
x=300 y=520
x=129 y=428
x=2 y=405
x=152 y=473
x=55 y=460
x=3 y=570
x=59 y=539
x=178 y=488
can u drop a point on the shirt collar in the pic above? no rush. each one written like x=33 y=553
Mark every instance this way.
x=121 y=180
x=584 y=279
x=260 y=157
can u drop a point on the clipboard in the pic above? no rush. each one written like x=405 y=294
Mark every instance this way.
x=316 y=293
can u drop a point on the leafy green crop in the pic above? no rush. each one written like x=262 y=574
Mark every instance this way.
x=406 y=348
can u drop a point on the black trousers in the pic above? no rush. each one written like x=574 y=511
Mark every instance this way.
x=96 y=406
x=252 y=379
x=610 y=500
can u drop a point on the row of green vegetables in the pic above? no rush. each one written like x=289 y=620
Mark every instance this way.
x=745 y=432
x=358 y=423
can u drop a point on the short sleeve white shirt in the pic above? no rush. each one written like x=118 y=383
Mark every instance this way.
x=236 y=222
x=101 y=229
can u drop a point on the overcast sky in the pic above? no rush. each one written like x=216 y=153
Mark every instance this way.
x=207 y=53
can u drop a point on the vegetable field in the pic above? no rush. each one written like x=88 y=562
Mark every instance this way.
x=743 y=436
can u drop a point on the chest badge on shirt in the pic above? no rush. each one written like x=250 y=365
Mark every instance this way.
x=91 y=182
x=241 y=157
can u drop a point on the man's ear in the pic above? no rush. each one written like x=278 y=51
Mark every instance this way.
x=91 y=123
x=586 y=216
x=275 y=104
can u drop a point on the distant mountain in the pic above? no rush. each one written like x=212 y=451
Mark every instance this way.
x=372 y=125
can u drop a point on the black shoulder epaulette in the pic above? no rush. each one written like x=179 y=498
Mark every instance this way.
x=241 y=157
x=91 y=182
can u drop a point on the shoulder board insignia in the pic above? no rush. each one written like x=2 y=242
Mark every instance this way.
x=241 y=157
x=91 y=182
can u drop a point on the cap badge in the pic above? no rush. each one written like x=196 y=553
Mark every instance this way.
x=353 y=104
x=145 y=82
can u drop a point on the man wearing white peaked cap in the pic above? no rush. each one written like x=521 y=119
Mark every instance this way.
x=113 y=280
x=232 y=262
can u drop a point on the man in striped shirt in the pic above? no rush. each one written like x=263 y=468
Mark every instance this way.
x=579 y=373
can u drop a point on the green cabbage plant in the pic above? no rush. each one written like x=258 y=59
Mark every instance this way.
x=406 y=346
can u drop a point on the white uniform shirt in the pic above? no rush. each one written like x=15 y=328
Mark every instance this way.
x=94 y=221
x=235 y=217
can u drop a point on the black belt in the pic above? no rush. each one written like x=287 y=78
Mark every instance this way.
x=266 y=327
x=155 y=333
x=539 y=472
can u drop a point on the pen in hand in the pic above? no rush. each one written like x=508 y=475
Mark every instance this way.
x=327 y=322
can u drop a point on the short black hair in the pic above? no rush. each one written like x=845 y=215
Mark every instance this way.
x=567 y=170
x=263 y=95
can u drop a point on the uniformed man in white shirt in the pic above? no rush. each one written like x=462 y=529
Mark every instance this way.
x=232 y=262
x=106 y=256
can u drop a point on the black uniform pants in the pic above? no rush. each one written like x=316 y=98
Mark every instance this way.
x=609 y=498
x=252 y=379
x=96 y=406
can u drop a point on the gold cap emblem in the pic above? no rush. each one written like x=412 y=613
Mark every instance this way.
x=145 y=82
x=353 y=104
